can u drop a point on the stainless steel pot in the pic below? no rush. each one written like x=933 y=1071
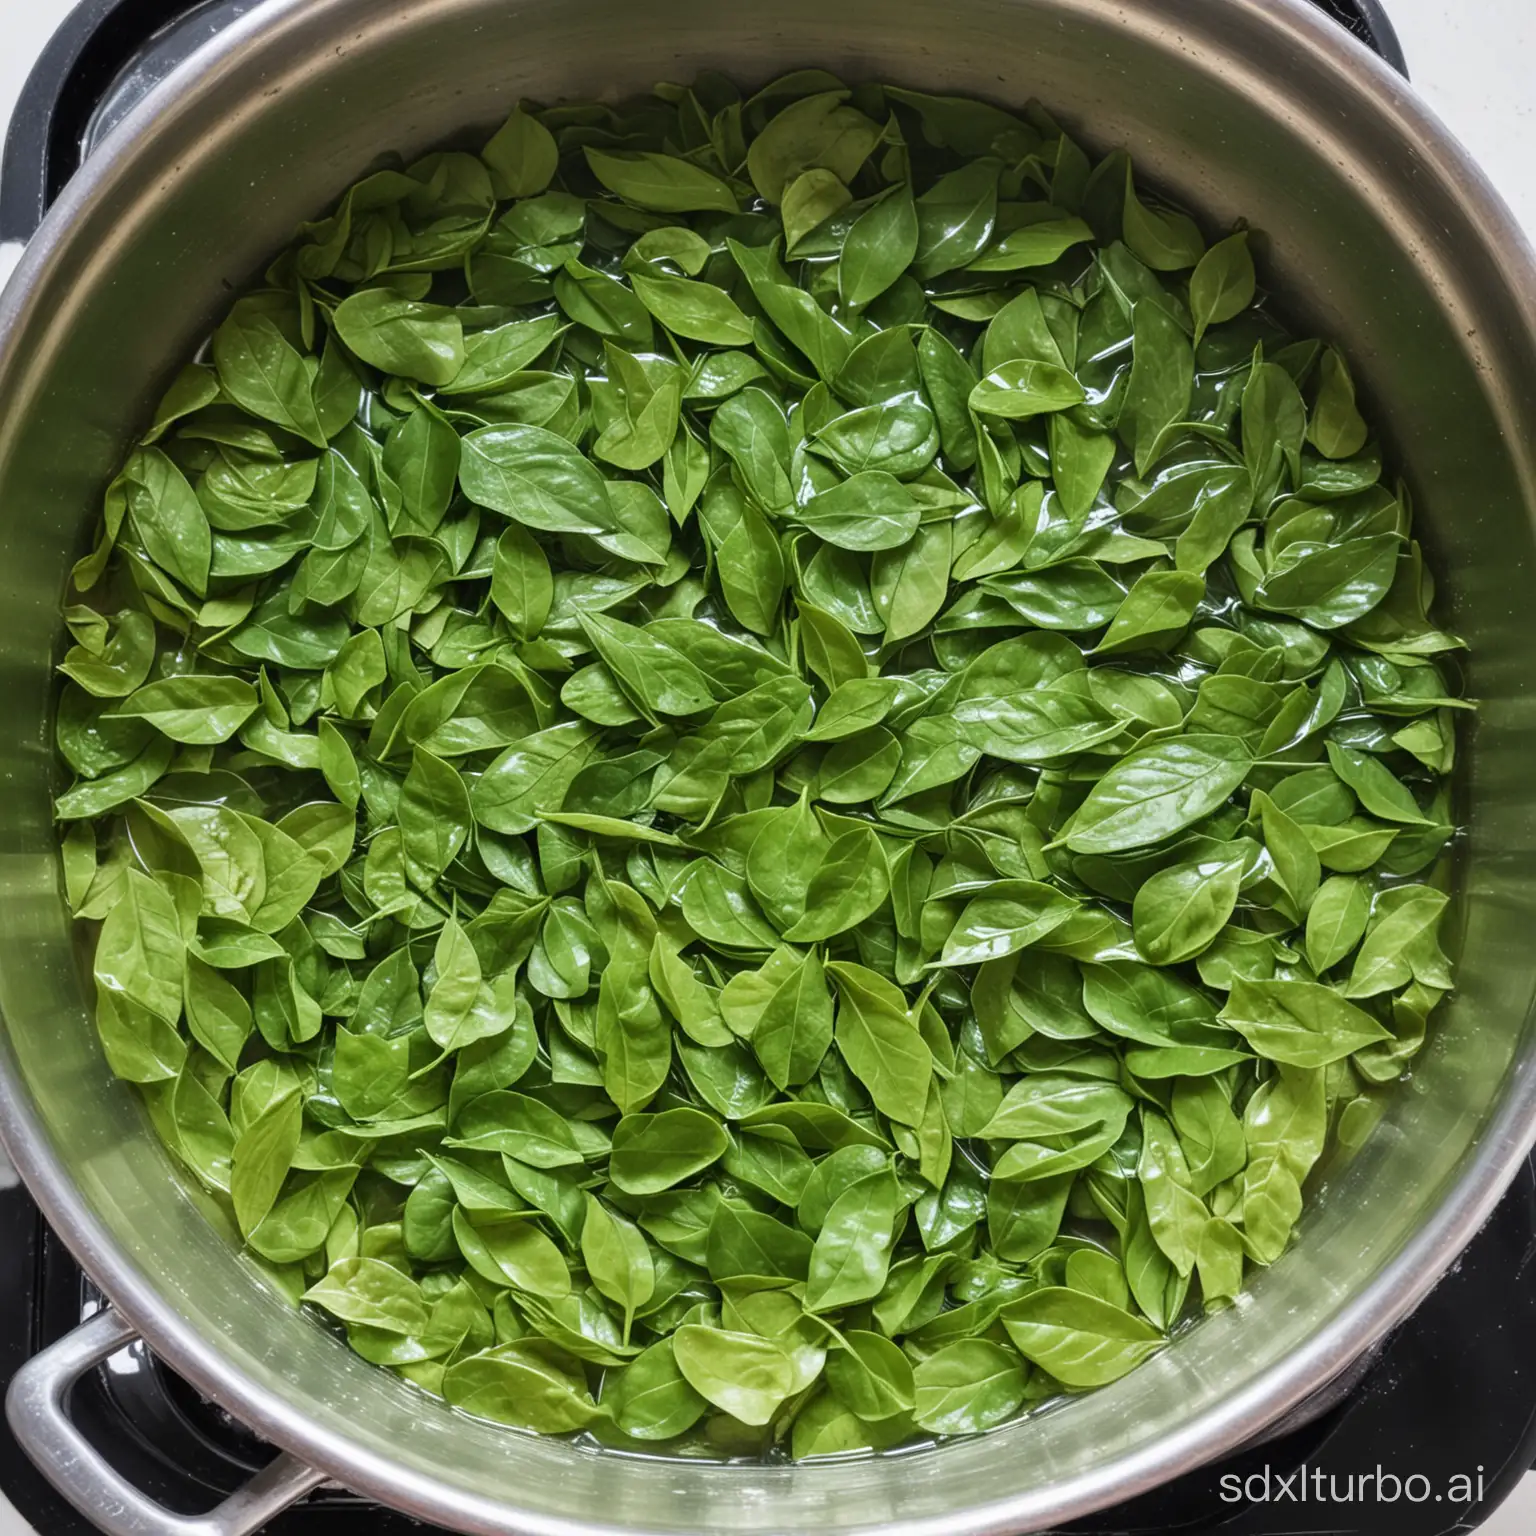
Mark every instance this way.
x=1390 y=241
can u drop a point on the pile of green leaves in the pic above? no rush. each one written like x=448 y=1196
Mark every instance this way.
x=755 y=771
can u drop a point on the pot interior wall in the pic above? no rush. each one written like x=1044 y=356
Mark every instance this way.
x=1221 y=104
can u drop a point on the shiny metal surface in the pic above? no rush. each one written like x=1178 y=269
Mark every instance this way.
x=1387 y=240
x=37 y=1406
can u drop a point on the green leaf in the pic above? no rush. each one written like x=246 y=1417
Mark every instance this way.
x=262 y=371
x=401 y=336
x=1285 y=1125
x=530 y=1383
x=1033 y=245
x=1274 y=424
x=879 y=1040
x=1080 y=459
x=818 y=130
x=1175 y=1213
x=1332 y=586
x=521 y=156
x=1080 y=1340
x=519 y=1126
x=1295 y=861
x=263 y=1154
x=369 y=1072
x=1024 y=388
x=653 y=1152
x=1222 y=284
x=661 y=183
x=1158 y=790
x=809 y=201
x=1336 y=920
x=1300 y=1023
x=522 y=586
x=871 y=1377
x=659 y=678
x=1381 y=792
x=650 y=1399
x=850 y=883
x=200 y=711
x=718 y=906
x=632 y=1035
x=1161 y=382
x=853 y=1249
x=794 y=1030
x=967 y=1387
x=514 y=1253
x=170 y=521
x=618 y=1259
x=1156 y=612
x=495 y=357
x=434 y=815
x=531 y=777
x=741 y=1374
x=878 y=248
x=1336 y=428
x=1181 y=909
x=1166 y=240
x=697 y=311
x=536 y=478
x=955 y=218
x=868 y=511
x=372 y=1294
x=1401 y=944
x=141 y=954
x=603 y=303
x=1012 y=917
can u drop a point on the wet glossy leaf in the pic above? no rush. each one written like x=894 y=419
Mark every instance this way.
x=1161 y=380
x=1301 y=1023
x=1181 y=909
x=1336 y=428
x=1081 y=1340
x=746 y=1376
x=651 y=1398
x=662 y=183
x=879 y=1039
x=868 y=511
x=879 y=247
x=530 y=1383
x=852 y=1252
x=1162 y=237
x=698 y=311
x=536 y=478
x=1026 y=387
x=819 y=130
x=653 y=1152
x=1156 y=791
x=1336 y=921
x=1222 y=285
x=871 y=1377
x=967 y=1387
x=521 y=156
x=401 y=336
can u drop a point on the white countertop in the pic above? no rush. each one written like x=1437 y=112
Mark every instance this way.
x=1475 y=62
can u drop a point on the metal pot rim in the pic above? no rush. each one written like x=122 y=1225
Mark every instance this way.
x=1395 y=1291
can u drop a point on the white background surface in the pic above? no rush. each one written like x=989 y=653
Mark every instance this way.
x=1475 y=60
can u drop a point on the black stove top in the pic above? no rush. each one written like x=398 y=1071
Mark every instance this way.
x=1425 y=1439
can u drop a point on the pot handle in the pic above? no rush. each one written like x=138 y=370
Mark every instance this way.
x=37 y=1406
